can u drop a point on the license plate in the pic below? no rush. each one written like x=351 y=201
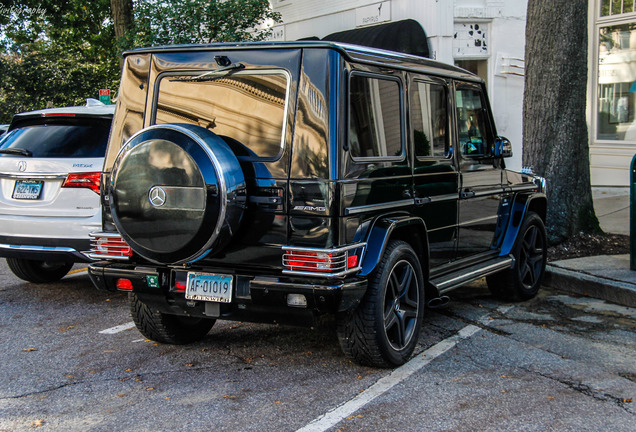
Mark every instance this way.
x=27 y=189
x=209 y=287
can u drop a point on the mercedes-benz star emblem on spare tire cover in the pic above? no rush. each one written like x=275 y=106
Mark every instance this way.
x=157 y=196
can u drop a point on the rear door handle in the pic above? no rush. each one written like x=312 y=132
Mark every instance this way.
x=468 y=194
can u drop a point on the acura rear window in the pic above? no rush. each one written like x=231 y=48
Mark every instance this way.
x=51 y=140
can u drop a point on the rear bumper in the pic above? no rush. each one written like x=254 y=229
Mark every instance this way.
x=54 y=249
x=259 y=298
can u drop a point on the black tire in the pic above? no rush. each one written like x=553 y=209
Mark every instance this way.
x=523 y=280
x=38 y=271
x=384 y=329
x=165 y=328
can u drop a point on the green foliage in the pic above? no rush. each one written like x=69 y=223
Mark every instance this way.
x=59 y=52
x=199 y=21
x=55 y=54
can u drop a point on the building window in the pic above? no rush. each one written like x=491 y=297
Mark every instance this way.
x=617 y=83
x=616 y=7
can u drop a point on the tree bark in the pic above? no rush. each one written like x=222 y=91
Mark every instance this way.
x=122 y=11
x=555 y=136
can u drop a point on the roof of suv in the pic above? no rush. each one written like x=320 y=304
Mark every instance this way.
x=352 y=52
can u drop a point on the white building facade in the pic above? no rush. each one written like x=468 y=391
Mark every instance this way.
x=484 y=36
x=612 y=90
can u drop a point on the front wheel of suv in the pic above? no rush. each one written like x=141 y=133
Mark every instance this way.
x=384 y=329
x=38 y=271
x=523 y=280
x=165 y=328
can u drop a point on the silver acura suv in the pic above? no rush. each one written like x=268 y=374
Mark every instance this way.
x=50 y=167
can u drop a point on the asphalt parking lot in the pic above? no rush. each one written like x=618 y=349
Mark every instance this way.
x=71 y=360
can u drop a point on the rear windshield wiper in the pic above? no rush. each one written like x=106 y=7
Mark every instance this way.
x=215 y=74
x=17 y=151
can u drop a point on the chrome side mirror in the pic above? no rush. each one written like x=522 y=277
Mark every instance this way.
x=503 y=148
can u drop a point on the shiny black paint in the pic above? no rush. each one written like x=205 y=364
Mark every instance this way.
x=315 y=194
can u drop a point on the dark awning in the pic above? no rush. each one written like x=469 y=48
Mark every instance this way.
x=406 y=36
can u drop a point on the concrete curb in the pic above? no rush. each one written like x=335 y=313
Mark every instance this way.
x=592 y=286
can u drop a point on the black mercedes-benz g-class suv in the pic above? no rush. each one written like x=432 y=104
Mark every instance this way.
x=275 y=182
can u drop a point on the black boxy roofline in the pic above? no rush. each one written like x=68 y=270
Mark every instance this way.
x=355 y=53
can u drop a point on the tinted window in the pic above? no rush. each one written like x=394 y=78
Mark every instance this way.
x=471 y=123
x=246 y=107
x=53 y=140
x=429 y=120
x=375 y=127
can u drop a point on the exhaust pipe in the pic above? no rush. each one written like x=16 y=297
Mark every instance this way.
x=438 y=302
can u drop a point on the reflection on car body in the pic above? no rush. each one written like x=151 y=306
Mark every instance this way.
x=332 y=179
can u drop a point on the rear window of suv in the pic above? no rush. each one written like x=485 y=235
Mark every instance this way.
x=247 y=107
x=86 y=139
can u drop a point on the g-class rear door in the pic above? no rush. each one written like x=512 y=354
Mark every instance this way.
x=481 y=173
x=247 y=97
x=435 y=175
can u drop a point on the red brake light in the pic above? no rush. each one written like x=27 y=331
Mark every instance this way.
x=310 y=261
x=124 y=284
x=88 y=180
x=57 y=115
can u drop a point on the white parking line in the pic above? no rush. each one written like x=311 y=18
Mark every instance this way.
x=336 y=415
x=119 y=328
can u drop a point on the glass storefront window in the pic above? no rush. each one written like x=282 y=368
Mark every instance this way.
x=617 y=83
x=616 y=7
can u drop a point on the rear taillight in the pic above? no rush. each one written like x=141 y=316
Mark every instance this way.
x=322 y=262
x=109 y=245
x=88 y=180
x=57 y=115
x=124 y=284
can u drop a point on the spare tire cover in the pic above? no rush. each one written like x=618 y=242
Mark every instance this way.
x=177 y=193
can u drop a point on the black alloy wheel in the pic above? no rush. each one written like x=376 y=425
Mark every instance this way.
x=531 y=257
x=523 y=280
x=401 y=305
x=384 y=329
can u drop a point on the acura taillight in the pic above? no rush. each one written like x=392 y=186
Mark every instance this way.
x=88 y=180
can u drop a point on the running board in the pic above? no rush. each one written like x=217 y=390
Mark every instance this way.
x=454 y=280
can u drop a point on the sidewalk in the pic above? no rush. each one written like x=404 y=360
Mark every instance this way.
x=606 y=277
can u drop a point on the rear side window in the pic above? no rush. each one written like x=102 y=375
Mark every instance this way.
x=63 y=140
x=429 y=120
x=375 y=126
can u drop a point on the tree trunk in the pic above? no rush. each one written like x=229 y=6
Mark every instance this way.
x=555 y=137
x=122 y=11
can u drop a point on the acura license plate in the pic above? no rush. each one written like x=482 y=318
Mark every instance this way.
x=27 y=189
x=209 y=287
